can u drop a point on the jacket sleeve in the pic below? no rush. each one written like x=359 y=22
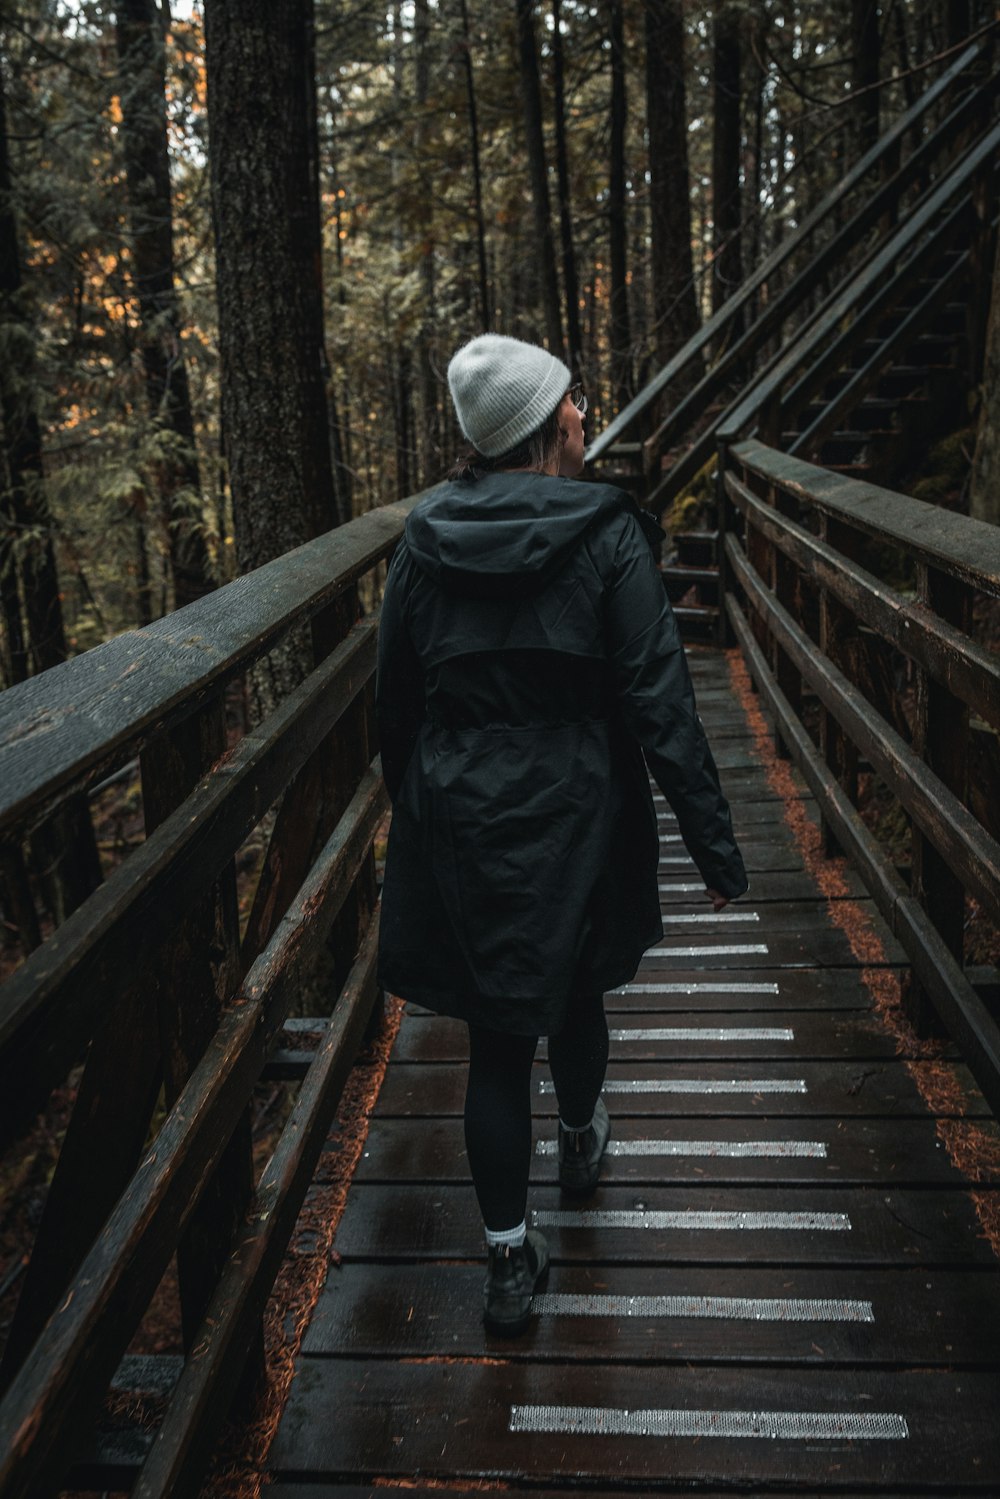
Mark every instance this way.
x=657 y=702
x=399 y=682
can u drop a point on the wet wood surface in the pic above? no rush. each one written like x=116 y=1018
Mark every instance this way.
x=781 y=1247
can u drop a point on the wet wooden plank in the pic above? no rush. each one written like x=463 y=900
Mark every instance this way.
x=840 y=1089
x=454 y=1419
x=902 y=1152
x=764 y=816
x=796 y=1033
x=817 y=1317
x=765 y=888
x=887 y=1226
x=764 y=989
x=416 y=1490
x=759 y=855
x=825 y=947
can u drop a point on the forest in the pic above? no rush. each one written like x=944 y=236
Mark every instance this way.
x=239 y=240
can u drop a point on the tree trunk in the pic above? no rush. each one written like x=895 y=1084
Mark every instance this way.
x=621 y=332
x=485 y=316
x=274 y=412
x=431 y=445
x=147 y=170
x=570 y=279
x=984 y=490
x=23 y=505
x=675 y=311
x=545 y=249
x=958 y=21
x=726 y=253
x=864 y=72
x=309 y=238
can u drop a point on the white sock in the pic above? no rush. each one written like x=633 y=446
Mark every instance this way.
x=498 y=1238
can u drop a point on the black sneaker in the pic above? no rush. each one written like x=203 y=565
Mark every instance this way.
x=513 y=1276
x=581 y=1152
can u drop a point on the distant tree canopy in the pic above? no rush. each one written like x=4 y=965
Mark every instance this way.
x=600 y=173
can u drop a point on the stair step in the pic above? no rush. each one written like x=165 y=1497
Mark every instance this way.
x=850 y=470
x=690 y=575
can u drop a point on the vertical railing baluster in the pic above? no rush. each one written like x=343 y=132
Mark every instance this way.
x=198 y=972
x=837 y=626
x=941 y=738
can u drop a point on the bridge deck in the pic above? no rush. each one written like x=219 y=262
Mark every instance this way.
x=782 y=1281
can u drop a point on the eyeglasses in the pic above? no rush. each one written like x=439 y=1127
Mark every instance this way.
x=578 y=398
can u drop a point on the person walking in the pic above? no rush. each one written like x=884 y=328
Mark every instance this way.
x=529 y=671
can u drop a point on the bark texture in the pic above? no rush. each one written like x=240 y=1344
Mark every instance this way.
x=621 y=332
x=27 y=556
x=726 y=252
x=571 y=281
x=984 y=492
x=274 y=410
x=865 y=43
x=531 y=97
x=139 y=39
x=675 y=310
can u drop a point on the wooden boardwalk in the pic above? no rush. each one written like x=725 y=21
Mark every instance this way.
x=781 y=1283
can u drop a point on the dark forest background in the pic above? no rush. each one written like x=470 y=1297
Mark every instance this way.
x=240 y=240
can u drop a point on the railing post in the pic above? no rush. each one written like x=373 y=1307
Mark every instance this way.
x=785 y=585
x=724 y=513
x=197 y=973
x=941 y=738
x=836 y=627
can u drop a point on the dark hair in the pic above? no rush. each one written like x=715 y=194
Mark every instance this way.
x=534 y=451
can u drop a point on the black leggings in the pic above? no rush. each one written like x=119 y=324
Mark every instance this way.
x=498 y=1102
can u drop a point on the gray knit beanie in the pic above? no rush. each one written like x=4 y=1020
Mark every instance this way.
x=503 y=389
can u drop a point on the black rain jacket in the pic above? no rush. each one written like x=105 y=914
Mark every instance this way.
x=528 y=660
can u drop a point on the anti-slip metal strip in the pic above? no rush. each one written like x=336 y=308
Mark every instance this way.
x=707 y=1033
x=695 y=1085
x=712 y=916
x=696 y=1220
x=709 y=986
x=727 y=1308
x=730 y=1149
x=796 y=1426
x=738 y=950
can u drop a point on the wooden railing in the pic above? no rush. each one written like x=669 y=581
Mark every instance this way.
x=156 y=983
x=797 y=291
x=853 y=607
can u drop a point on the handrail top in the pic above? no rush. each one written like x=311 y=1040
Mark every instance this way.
x=69 y=725
x=709 y=330
x=964 y=548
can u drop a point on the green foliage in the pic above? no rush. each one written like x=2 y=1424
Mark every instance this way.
x=398 y=212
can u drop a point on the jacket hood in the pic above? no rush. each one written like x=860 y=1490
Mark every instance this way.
x=505 y=533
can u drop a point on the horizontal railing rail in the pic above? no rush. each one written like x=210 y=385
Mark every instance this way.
x=158 y=983
x=805 y=551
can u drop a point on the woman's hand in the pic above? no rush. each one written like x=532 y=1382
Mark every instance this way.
x=719 y=902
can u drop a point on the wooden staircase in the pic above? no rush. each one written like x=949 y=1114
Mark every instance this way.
x=861 y=351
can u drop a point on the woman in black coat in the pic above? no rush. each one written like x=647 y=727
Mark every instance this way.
x=530 y=670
